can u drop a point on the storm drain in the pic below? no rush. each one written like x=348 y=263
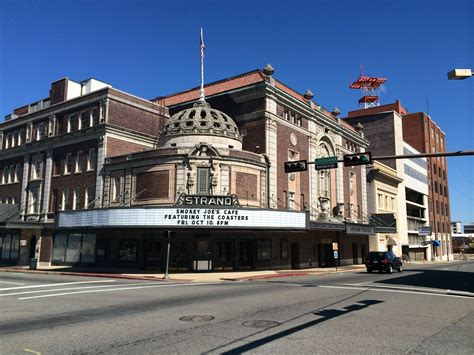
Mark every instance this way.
x=260 y=324
x=202 y=318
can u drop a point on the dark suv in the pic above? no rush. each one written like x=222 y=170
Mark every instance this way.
x=383 y=260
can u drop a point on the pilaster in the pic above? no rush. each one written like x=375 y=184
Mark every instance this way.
x=24 y=184
x=271 y=151
x=99 y=181
x=47 y=183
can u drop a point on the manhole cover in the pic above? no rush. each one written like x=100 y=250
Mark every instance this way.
x=260 y=324
x=203 y=318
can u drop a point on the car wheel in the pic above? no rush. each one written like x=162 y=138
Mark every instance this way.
x=390 y=269
x=369 y=270
x=400 y=268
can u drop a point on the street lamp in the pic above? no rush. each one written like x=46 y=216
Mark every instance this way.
x=459 y=74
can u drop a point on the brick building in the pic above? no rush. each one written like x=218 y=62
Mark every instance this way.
x=52 y=154
x=421 y=133
x=212 y=175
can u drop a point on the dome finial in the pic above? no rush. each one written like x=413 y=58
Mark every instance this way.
x=201 y=96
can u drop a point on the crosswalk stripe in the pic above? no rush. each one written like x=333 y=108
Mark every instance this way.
x=54 y=285
x=12 y=283
x=116 y=289
x=66 y=289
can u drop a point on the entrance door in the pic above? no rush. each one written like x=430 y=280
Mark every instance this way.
x=246 y=254
x=363 y=252
x=153 y=254
x=355 y=255
x=326 y=255
x=33 y=247
x=295 y=255
x=223 y=258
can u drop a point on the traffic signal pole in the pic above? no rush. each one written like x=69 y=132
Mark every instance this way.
x=422 y=155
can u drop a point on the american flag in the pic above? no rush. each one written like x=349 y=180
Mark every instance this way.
x=202 y=45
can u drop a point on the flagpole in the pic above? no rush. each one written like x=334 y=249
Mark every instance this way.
x=201 y=97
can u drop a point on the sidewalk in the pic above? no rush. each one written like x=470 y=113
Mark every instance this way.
x=189 y=276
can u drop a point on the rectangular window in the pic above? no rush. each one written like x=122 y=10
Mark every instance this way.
x=91 y=160
x=88 y=249
x=291 y=200
x=70 y=123
x=128 y=251
x=116 y=188
x=36 y=171
x=284 y=249
x=59 y=248
x=264 y=249
x=73 y=251
x=84 y=120
x=90 y=194
x=17 y=172
x=34 y=200
x=203 y=181
x=65 y=199
x=79 y=162
x=57 y=166
x=68 y=165
x=76 y=201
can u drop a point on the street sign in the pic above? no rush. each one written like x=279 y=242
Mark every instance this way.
x=335 y=246
x=424 y=231
x=336 y=254
x=325 y=163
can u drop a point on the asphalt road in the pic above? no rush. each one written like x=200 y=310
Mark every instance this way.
x=425 y=309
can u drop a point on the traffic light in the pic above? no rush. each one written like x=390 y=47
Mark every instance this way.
x=293 y=166
x=358 y=159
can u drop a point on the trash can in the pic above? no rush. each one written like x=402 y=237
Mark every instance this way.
x=33 y=263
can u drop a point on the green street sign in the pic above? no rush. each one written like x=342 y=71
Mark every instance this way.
x=325 y=163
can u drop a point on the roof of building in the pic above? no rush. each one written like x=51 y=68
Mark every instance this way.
x=237 y=82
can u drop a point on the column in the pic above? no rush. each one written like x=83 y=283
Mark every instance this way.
x=271 y=151
x=24 y=185
x=99 y=181
x=47 y=183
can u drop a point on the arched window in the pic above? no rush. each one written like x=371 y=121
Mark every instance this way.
x=324 y=175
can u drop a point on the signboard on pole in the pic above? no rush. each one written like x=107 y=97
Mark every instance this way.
x=424 y=231
x=325 y=163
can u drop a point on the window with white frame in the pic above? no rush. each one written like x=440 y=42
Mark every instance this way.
x=76 y=202
x=68 y=164
x=7 y=141
x=91 y=160
x=69 y=123
x=12 y=173
x=351 y=182
x=36 y=171
x=41 y=131
x=84 y=120
x=291 y=200
x=17 y=173
x=79 y=161
x=5 y=175
x=115 y=188
x=20 y=136
x=64 y=199
x=34 y=200
x=89 y=196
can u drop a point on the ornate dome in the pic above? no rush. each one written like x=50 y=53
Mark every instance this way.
x=201 y=120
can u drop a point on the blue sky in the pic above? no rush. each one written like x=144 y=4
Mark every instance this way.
x=151 y=48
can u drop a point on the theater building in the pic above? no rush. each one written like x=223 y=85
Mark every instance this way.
x=211 y=183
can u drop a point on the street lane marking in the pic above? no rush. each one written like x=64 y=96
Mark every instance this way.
x=56 y=284
x=67 y=289
x=451 y=294
x=116 y=289
x=13 y=283
x=32 y=351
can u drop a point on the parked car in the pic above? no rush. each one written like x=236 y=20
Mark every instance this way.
x=383 y=261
